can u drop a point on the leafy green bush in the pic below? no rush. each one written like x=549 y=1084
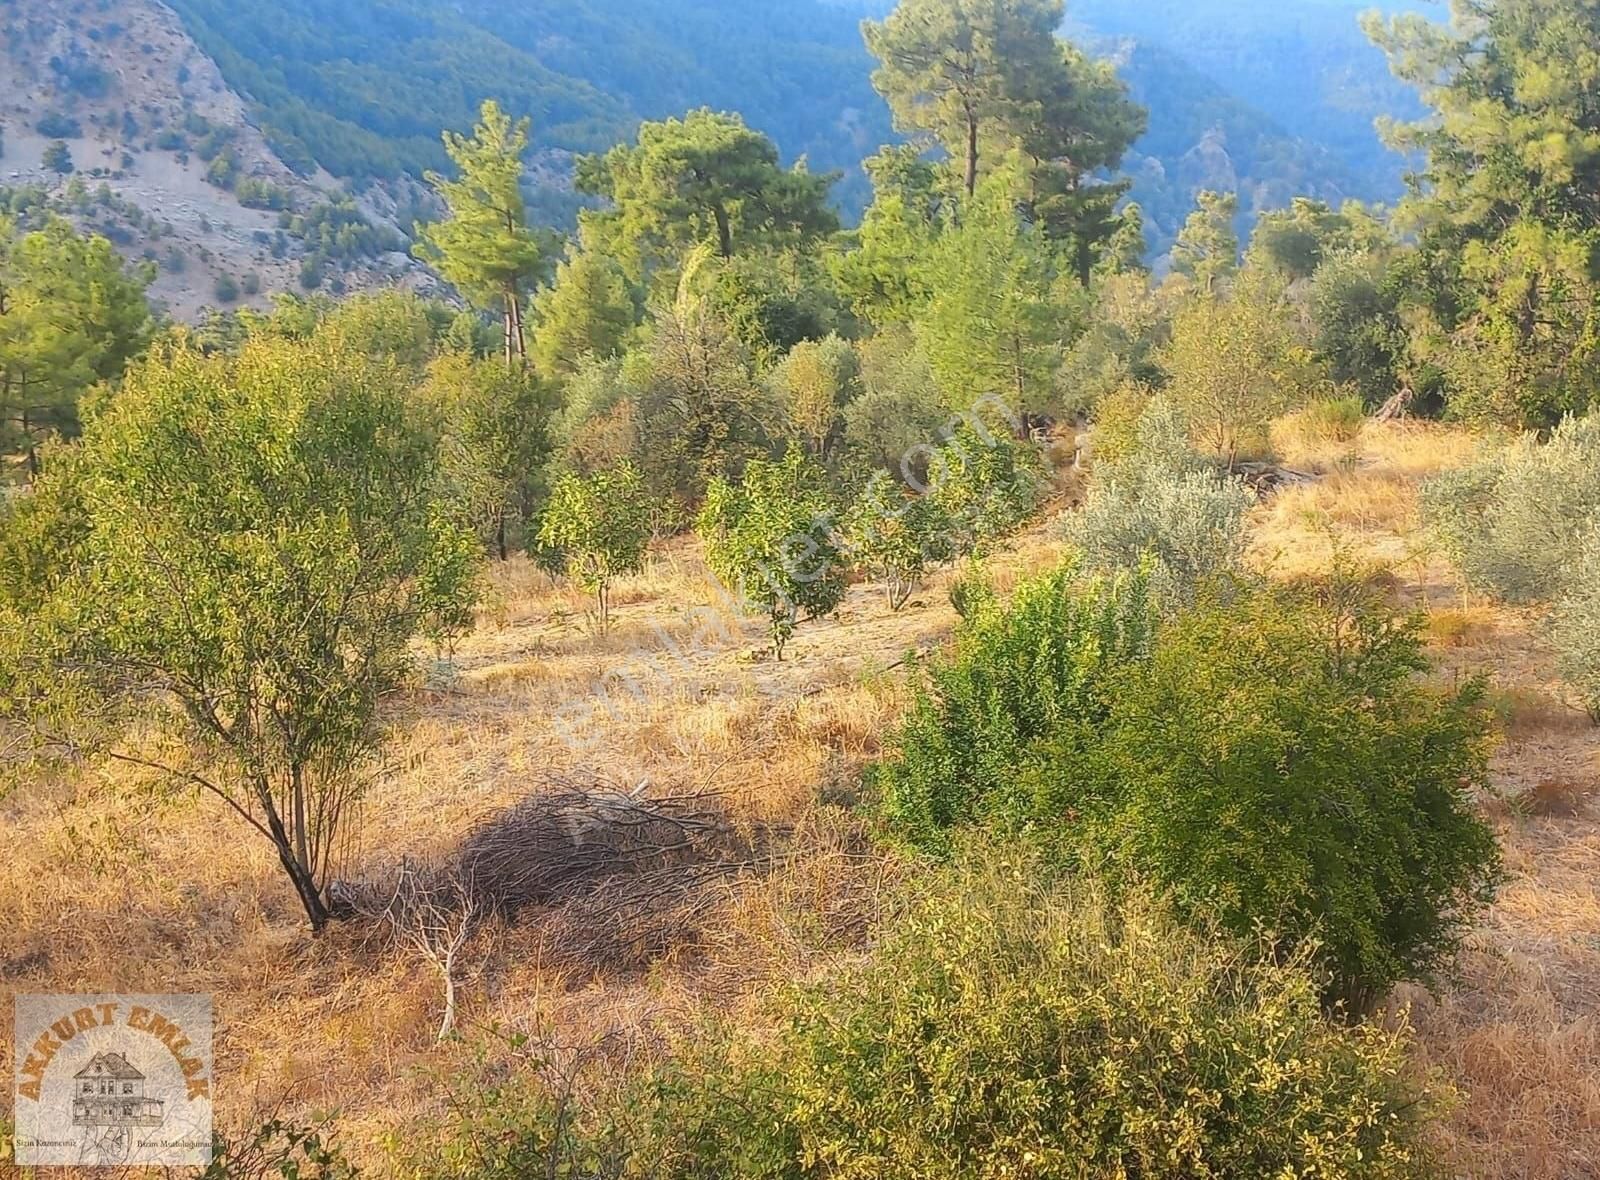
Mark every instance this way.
x=1279 y=764
x=1272 y=762
x=1163 y=503
x=601 y=525
x=985 y=482
x=1116 y=422
x=1020 y=675
x=771 y=539
x=1512 y=521
x=1009 y=1023
x=1012 y=1025
x=894 y=536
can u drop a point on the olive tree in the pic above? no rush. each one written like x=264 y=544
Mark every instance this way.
x=226 y=579
x=600 y=524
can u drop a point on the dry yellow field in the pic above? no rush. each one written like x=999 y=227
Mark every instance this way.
x=113 y=886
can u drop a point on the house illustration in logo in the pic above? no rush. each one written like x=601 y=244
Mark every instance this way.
x=109 y=1092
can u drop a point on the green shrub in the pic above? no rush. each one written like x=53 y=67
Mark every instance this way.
x=770 y=538
x=1165 y=504
x=1279 y=764
x=1020 y=675
x=985 y=482
x=1016 y=1026
x=601 y=526
x=1116 y=422
x=1331 y=419
x=894 y=536
x=1513 y=521
x=1275 y=763
x=1009 y=1023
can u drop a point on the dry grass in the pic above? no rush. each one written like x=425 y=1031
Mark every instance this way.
x=111 y=885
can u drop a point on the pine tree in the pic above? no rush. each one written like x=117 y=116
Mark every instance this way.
x=71 y=314
x=485 y=246
x=1207 y=249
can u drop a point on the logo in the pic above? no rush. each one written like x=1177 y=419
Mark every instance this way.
x=113 y=1079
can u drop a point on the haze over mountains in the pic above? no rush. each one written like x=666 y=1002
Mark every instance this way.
x=306 y=101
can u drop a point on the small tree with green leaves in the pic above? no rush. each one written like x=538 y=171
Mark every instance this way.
x=771 y=539
x=224 y=582
x=600 y=524
x=894 y=535
x=58 y=157
x=985 y=482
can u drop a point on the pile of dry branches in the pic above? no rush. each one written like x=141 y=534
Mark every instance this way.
x=617 y=877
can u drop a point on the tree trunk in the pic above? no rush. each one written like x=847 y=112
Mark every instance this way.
x=500 y=536
x=299 y=873
x=972 y=150
x=448 y=1022
x=724 y=230
x=520 y=336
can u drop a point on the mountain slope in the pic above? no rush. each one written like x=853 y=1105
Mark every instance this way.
x=165 y=160
x=363 y=87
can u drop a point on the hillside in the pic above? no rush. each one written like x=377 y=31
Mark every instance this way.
x=165 y=160
x=309 y=100
x=670 y=701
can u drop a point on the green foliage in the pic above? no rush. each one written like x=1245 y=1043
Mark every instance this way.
x=600 y=524
x=705 y=178
x=699 y=414
x=222 y=496
x=775 y=300
x=899 y=411
x=1207 y=249
x=57 y=158
x=1016 y=1024
x=992 y=327
x=894 y=535
x=485 y=247
x=389 y=324
x=1164 y=505
x=338 y=229
x=1275 y=763
x=364 y=90
x=1527 y=352
x=1020 y=676
x=72 y=314
x=1505 y=202
x=1007 y=1022
x=1280 y=765
x=496 y=424
x=587 y=312
x=983 y=481
x=814 y=384
x=770 y=539
x=1575 y=624
x=281 y=1149
x=1234 y=364
x=986 y=78
x=1513 y=521
x=1359 y=334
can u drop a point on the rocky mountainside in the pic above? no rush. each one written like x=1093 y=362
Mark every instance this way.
x=113 y=116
